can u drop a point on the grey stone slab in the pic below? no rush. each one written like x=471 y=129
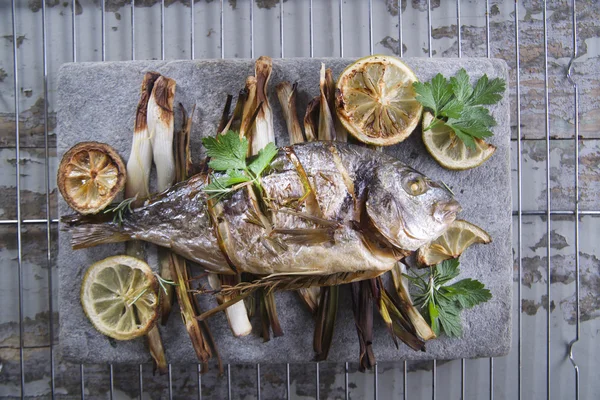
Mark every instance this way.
x=97 y=102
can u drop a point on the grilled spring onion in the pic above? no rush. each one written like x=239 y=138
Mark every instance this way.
x=286 y=93
x=250 y=107
x=340 y=132
x=198 y=331
x=311 y=119
x=161 y=124
x=326 y=126
x=237 y=315
x=161 y=127
x=140 y=158
x=321 y=120
x=322 y=302
x=401 y=284
x=136 y=186
x=263 y=132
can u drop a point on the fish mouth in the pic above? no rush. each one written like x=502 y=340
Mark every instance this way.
x=445 y=212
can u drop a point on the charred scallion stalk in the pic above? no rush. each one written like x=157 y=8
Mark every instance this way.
x=250 y=107
x=310 y=298
x=311 y=119
x=198 y=331
x=137 y=186
x=161 y=124
x=362 y=308
x=157 y=351
x=395 y=317
x=401 y=284
x=235 y=122
x=183 y=159
x=325 y=299
x=188 y=313
x=261 y=135
x=264 y=132
x=140 y=158
x=340 y=131
x=225 y=115
x=286 y=93
x=237 y=315
x=326 y=315
x=326 y=126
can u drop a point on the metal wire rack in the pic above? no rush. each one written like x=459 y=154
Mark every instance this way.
x=51 y=33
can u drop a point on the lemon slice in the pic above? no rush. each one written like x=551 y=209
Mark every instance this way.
x=119 y=296
x=451 y=152
x=90 y=176
x=376 y=101
x=460 y=235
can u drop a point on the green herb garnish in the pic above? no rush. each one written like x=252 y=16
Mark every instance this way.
x=120 y=210
x=228 y=154
x=460 y=106
x=443 y=303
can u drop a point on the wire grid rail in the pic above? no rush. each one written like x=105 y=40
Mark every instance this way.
x=548 y=212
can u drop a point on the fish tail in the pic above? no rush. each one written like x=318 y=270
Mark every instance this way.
x=84 y=235
x=92 y=235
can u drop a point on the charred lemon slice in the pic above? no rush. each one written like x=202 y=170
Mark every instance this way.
x=376 y=100
x=453 y=243
x=451 y=152
x=119 y=296
x=90 y=175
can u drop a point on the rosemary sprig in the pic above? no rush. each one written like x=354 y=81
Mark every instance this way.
x=121 y=209
x=162 y=282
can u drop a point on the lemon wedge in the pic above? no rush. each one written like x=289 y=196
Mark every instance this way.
x=120 y=297
x=459 y=236
x=376 y=101
x=90 y=176
x=451 y=152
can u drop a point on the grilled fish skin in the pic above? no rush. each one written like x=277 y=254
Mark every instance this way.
x=326 y=208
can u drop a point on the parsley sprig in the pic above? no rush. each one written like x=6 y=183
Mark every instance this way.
x=461 y=106
x=228 y=155
x=443 y=303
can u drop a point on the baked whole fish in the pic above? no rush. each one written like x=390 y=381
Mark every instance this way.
x=327 y=208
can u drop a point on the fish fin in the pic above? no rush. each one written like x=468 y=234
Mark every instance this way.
x=84 y=236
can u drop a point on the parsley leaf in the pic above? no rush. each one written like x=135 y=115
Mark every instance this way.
x=262 y=160
x=221 y=183
x=468 y=292
x=434 y=95
x=226 y=151
x=447 y=270
x=472 y=127
x=450 y=318
x=228 y=154
x=452 y=109
x=460 y=106
x=461 y=86
x=444 y=303
x=487 y=92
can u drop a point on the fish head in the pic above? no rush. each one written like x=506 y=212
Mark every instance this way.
x=408 y=208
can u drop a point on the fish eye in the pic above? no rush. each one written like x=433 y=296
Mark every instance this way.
x=416 y=185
